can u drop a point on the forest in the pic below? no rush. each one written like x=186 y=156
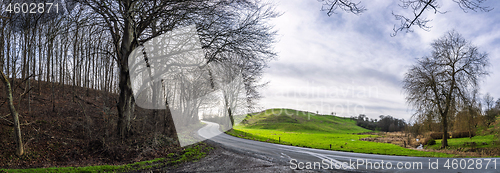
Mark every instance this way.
x=68 y=93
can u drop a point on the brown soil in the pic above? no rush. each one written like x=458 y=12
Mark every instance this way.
x=397 y=138
x=400 y=138
x=75 y=131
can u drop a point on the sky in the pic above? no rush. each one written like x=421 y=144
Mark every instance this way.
x=349 y=64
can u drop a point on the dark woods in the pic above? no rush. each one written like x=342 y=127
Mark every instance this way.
x=385 y=124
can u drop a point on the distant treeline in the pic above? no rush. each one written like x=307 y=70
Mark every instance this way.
x=385 y=124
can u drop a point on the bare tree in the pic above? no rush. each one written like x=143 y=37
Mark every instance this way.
x=488 y=100
x=492 y=111
x=223 y=26
x=230 y=82
x=446 y=79
x=417 y=7
x=128 y=20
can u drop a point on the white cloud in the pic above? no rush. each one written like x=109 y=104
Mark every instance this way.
x=353 y=53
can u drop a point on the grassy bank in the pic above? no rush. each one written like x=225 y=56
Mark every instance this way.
x=305 y=129
x=190 y=153
x=486 y=141
x=289 y=120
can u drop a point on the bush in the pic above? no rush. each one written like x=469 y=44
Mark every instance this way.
x=462 y=134
x=428 y=141
x=438 y=135
x=431 y=142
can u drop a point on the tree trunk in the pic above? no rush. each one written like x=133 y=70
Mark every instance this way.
x=112 y=77
x=228 y=107
x=49 y=55
x=230 y=116
x=14 y=65
x=40 y=64
x=168 y=121
x=15 y=115
x=444 y=142
x=125 y=101
x=169 y=126
x=25 y=56
x=7 y=40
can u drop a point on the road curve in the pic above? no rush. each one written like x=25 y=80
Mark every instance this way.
x=326 y=160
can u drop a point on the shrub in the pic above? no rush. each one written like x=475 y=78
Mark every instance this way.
x=428 y=141
x=462 y=134
x=431 y=142
x=438 y=135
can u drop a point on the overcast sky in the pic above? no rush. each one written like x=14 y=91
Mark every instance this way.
x=349 y=64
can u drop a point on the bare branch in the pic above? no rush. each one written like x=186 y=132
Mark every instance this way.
x=419 y=6
x=4 y=118
x=474 y=5
x=345 y=5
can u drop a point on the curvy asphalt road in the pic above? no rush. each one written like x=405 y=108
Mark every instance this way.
x=325 y=160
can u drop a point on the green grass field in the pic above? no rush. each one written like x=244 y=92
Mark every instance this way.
x=289 y=120
x=455 y=143
x=297 y=128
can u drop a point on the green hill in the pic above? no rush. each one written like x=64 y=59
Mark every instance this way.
x=290 y=120
x=306 y=129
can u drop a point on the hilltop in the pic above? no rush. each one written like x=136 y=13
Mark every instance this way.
x=291 y=120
